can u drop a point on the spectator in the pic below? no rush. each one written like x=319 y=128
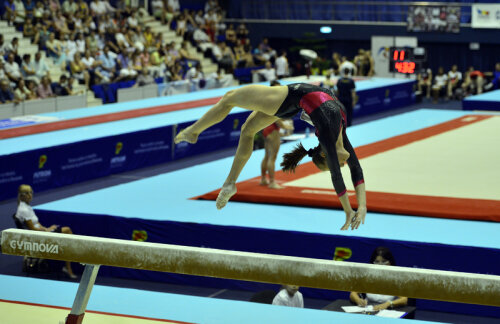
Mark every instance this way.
x=144 y=78
x=221 y=79
x=6 y=94
x=108 y=65
x=159 y=11
x=149 y=39
x=41 y=68
x=100 y=7
x=13 y=47
x=424 y=79
x=473 y=81
x=289 y=295
x=60 y=24
x=80 y=43
x=22 y=93
x=174 y=6
x=38 y=12
x=12 y=69
x=176 y=72
x=496 y=77
x=60 y=89
x=243 y=56
x=56 y=51
x=282 y=65
x=10 y=11
x=30 y=9
x=382 y=256
x=79 y=71
x=242 y=34
x=195 y=74
x=346 y=93
x=181 y=25
x=346 y=64
x=28 y=69
x=71 y=48
x=226 y=57
x=84 y=8
x=69 y=7
x=336 y=60
x=231 y=39
x=200 y=19
x=42 y=36
x=44 y=89
x=454 y=80
x=125 y=64
x=20 y=13
x=32 y=87
x=29 y=29
x=184 y=54
x=2 y=47
x=266 y=74
x=440 y=84
x=27 y=216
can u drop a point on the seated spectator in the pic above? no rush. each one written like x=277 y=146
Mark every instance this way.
x=20 y=13
x=79 y=71
x=28 y=69
x=80 y=43
x=12 y=69
x=29 y=29
x=225 y=56
x=41 y=68
x=6 y=94
x=184 y=54
x=244 y=56
x=69 y=7
x=107 y=68
x=266 y=52
x=454 y=80
x=13 y=47
x=231 y=39
x=42 y=36
x=242 y=34
x=38 y=12
x=27 y=216
x=176 y=72
x=22 y=93
x=195 y=74
x=181 y=25
x=221 y=78
x=495 y=82
x=100 y=7
x=44 y=89
x=159 y=11
x=60 y=24
x=144 y=78
x=56 y=51
x=60 y=89
x=199 y=19
x=29 y=6
x=266 y=74
x=473 y=82
x=383 y=256
x=10 y=11
x=424 y=79
x=84 y=8
x=289 y=295
x=125 y=64
x=33 y=88
x=440 y=84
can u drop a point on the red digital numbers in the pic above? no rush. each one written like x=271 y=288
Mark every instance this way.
x=401 y=55
x=405 y=67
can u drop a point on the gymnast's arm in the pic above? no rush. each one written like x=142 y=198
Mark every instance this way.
x=357 y=178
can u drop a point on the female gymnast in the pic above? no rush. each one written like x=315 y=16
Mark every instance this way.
x=319 y=106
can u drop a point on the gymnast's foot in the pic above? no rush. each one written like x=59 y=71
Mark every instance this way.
x=274 y=185
x=263 y=182
x=227 y=191
x=186 y=136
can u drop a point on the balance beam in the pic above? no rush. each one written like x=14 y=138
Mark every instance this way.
x=315 y=273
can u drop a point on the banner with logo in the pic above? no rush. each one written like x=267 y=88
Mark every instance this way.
x=485 y=15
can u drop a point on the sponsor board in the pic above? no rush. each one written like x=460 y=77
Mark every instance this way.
x=29 y=246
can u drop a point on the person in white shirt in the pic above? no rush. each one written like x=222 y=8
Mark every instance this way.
x=12 y=69
x=268 y=73
x=26 y=216
x=346 y=64
x=440 y=84
x=281 y=65
x=174 y=5
x=289 y=296
x=454 y=80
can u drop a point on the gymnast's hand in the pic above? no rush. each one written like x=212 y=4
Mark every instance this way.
x=349 y=217
x=359 y=218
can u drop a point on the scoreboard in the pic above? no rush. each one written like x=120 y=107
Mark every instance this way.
x=406 y=60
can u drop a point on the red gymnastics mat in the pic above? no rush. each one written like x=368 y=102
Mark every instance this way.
x=383 y=202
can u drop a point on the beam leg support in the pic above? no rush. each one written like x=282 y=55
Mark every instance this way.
x=83 y=294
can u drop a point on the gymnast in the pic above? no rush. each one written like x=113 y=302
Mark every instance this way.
x=319 y=107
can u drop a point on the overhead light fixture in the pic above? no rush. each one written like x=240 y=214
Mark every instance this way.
x=325 y=30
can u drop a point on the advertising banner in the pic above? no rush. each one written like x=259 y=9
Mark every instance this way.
x=485 y=15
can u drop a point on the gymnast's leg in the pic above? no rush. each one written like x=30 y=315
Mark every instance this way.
x=253 y=97
x=254 y=123
x=274 y=142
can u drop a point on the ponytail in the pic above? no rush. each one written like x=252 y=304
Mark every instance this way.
x=292 y=159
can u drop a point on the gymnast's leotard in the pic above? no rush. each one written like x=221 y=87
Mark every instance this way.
x=328 y=116
x=269 y=129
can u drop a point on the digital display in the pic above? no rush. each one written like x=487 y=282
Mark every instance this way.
x=406 y=60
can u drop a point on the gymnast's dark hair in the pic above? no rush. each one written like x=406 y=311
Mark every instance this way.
x=384 y=253
x=292 y=159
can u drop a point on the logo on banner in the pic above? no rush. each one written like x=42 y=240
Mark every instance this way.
x=118 y=148
x=387 y=99
x=483 y=13
x=42 y=175
x=342 y=253
x=42 y=160
x=235 y=133
x=118 y=161
x=34 y=246
x=384 y=51
x=140 y=236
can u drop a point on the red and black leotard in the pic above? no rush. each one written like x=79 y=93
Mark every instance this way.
x=328 y=116
x=269 y=129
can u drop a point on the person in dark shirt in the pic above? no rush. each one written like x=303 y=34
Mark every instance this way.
x=59 y=89
x=6 y=95
x=347 y=94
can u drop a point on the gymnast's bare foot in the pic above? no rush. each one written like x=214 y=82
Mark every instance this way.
x=263 y=182
x=186 y=136
x=227 y=191
x=274 y=185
